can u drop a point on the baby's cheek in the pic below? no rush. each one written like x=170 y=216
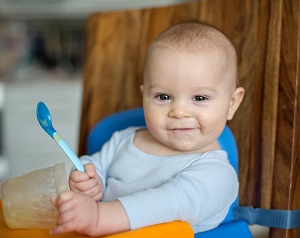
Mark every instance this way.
x=153 y=124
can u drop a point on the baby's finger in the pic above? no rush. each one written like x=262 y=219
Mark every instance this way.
x=65 y=210
x=66 y=215
x=63 y=198
x=61 y=229
x=77 y=176
x=53 y=200
x=84 y=186
x=90 y=170
x=95 y=193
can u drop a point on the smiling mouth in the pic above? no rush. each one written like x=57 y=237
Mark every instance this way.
x=182 y=129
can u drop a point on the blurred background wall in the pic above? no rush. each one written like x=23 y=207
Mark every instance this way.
x=40 y=60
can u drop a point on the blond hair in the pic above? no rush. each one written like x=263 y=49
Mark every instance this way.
x=194 y=37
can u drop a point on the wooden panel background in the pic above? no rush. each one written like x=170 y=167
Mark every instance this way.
x=266 y=127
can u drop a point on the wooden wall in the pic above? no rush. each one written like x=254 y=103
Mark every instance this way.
x=266 y=127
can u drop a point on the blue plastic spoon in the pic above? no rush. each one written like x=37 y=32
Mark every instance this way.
x=44 y=118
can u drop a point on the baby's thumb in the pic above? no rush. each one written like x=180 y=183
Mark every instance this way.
x=90 y=170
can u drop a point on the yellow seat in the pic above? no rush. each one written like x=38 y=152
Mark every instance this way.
x=174 y=229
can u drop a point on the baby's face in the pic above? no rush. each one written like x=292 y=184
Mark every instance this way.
x=187 y=99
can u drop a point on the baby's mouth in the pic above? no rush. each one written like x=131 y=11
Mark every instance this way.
x=182 y=129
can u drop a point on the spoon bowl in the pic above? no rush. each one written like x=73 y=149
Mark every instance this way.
x=45 y=120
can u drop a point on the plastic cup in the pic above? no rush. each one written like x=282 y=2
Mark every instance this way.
x=26 y=199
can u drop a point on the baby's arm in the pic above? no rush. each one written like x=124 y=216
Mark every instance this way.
x=200 y=194
x=80 y=213
x=87 y=182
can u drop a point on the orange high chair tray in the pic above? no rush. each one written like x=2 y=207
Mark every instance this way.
x=174 y=229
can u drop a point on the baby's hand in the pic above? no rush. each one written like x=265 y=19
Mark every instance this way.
x=77 y=212
x=87 y=182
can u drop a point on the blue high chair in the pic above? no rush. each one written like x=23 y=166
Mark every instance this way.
x=104 y=129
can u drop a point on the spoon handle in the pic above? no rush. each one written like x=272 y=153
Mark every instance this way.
x=66 y=148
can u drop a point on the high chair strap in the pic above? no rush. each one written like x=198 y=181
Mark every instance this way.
x=285 y=219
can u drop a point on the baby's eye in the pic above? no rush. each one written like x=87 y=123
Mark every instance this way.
x=163 y=97
x=199 y=98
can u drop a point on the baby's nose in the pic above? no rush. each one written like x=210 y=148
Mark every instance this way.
x=179 y=110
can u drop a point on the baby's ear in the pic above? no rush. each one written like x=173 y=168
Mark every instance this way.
x=142 y=89
x=235 y=101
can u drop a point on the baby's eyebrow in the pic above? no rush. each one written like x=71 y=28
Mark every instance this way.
x=206 y=89
x=155 y=86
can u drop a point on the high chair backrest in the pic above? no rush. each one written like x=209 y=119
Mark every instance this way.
x=104 y=129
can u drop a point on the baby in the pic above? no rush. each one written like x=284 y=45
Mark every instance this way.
x=174 y=169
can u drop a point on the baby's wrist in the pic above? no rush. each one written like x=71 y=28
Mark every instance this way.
x=97 y=227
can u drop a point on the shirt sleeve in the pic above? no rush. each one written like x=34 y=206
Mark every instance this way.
x=102 y=160
x=199 y=195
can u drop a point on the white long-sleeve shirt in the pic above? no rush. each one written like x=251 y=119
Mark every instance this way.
x=196 y=188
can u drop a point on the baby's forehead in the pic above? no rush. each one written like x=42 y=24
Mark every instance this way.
x=216 y=56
